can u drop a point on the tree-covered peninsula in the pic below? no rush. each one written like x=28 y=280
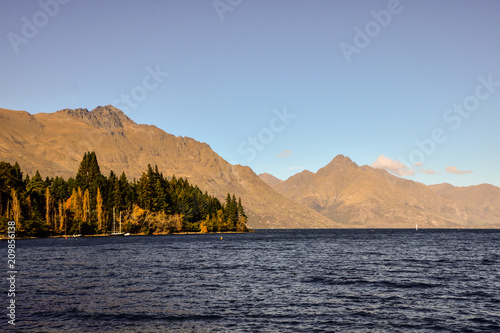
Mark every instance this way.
x=92 y=203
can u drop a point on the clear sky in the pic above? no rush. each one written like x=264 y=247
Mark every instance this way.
x=281 y=86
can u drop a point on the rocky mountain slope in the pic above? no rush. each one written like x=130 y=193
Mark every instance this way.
x=362 y=196
x=54 y=144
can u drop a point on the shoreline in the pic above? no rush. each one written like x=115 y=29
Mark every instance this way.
x=5 y=236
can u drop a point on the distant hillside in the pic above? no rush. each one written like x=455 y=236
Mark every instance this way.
x=362 y=196
x=483 y=200
x=54 y=144
x=270 y=179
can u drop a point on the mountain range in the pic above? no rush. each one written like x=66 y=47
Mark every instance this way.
x=362 y=196
x=340 y=195
x=54 y=143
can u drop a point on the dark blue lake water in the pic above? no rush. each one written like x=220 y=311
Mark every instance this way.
x=269 y=281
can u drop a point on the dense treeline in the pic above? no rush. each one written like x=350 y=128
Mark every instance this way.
x=91 y=203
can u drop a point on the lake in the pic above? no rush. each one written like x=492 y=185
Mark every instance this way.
x=269 y=281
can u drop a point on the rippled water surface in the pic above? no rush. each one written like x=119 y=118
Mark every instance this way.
x=268 y=281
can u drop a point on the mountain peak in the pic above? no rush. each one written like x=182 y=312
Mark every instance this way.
x=340 y=162
x=101 y=117
x=110 y=110
x=341 y=159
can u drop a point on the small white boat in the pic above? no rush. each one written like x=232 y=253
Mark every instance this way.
x=114 y=233
x=127 y=234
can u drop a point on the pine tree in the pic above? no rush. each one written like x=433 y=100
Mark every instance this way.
x=145 y=190
x=241 y=210
x=58 y=189
x=35 y=191
x=126 y=193
x=231 y=212
x=159 y=196
x=111 y=191
x=242 y=218
x=88 y=171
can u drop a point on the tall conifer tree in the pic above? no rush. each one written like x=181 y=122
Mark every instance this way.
x=88 y=171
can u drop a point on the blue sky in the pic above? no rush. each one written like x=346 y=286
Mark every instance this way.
x=281 y=86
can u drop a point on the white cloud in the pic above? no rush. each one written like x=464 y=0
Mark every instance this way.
x=454 y=170
x=419 y=164
x=429 y=171
x=395 y=167
x=284 y=153
x=296 y=168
